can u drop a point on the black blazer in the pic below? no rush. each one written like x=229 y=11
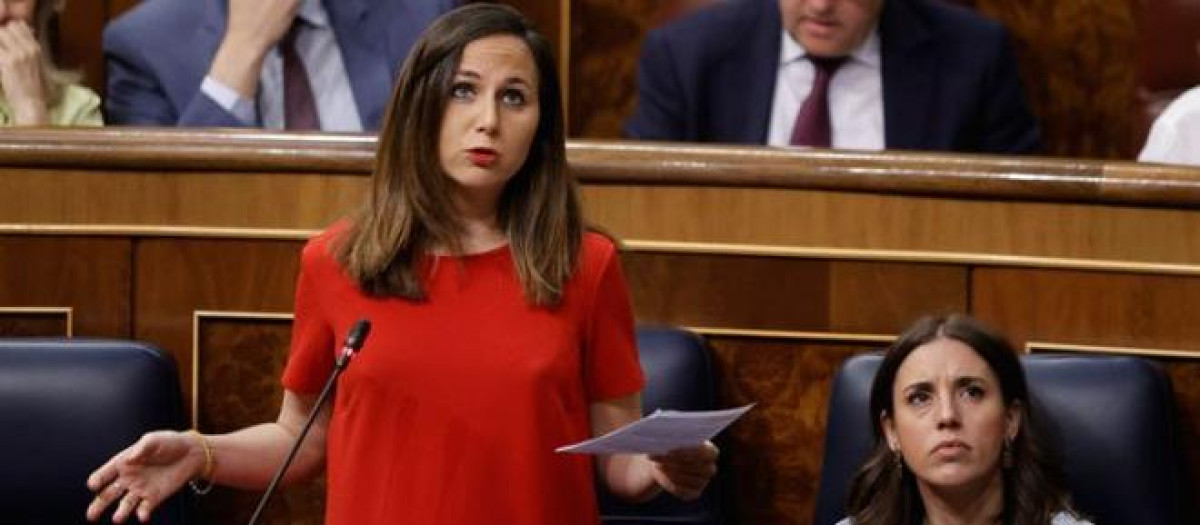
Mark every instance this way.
x=950 y=79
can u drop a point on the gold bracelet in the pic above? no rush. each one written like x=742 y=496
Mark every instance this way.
x=203 y=484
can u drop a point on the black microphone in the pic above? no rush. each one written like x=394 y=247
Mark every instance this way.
x=354 y=342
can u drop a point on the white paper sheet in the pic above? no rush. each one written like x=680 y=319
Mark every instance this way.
x=660 y=432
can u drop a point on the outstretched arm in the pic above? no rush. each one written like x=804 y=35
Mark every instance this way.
x=141 y=477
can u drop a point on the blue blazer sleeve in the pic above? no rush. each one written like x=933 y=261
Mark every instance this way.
x=1008 y=123
x=660 y=110
x=138 y=90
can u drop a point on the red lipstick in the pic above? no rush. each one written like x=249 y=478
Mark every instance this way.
x=482 y=157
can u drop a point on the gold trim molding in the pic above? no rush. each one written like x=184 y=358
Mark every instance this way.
x=930 y=257
x=788 y=335
x=1041 y=347
x=655 y=246
x=66 y=311
x=137 y=230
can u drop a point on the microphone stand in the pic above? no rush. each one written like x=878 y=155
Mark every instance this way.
x=354 y=341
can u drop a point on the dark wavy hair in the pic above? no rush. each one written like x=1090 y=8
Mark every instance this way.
x=409 y=208
x=884 y=491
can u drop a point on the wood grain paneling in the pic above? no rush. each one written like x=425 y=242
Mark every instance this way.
x=92 y=276
x=1185 y=382
x=739 y=239
x=727 y=291
x=1079 y=60
x=774 y=293
x=240 y=360
x=774 y=453
x=177 y=277
x=885 y=298
x=35 y=322
x=606 y=40
x=272 y=201
x=77 y=42
x=830 y=219
x=153 y=151
x=78 y=34
x=1090 y=308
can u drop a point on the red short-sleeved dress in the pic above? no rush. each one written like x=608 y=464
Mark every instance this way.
x=451 y=412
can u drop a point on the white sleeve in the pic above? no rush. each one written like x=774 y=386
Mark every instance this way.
x=230 y=100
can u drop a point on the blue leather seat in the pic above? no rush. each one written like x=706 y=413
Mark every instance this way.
x=66 y=406
x=1111 y=418
x=679 y=376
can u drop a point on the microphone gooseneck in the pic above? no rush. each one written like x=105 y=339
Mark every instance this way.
x=354 y=342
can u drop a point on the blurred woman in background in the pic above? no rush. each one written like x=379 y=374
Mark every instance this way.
x=33 y=92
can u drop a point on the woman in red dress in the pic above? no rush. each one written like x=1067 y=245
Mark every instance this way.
x=501 y=327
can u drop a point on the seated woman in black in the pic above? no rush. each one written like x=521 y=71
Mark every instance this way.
x=954 y=439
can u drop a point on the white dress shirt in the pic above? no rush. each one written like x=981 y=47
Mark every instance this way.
x=855 y=96
x=1175 y=136
x=317 y=46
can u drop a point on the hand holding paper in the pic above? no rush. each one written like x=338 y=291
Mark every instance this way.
x=660 y=432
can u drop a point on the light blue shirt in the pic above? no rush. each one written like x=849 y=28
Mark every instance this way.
x=317 y=46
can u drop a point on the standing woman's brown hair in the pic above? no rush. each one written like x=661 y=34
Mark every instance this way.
x=410 y=209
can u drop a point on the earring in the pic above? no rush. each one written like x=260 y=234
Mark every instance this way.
x=1006 y=457
x=897 y=460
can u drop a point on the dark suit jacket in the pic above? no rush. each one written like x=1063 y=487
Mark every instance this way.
x=950 y=80
x=159 y=53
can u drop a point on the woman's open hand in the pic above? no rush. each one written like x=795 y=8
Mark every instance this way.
x=142 y=476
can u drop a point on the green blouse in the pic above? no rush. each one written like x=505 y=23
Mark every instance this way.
x=79 y=106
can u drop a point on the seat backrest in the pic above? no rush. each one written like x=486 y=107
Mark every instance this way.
x=1112 y=419
x=678 y=377
x=66 y=406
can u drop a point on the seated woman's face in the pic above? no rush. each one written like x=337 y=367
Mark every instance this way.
x=11 y=10
x=492 y=114
x=949 y=420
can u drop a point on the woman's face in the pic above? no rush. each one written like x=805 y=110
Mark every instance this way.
x=22 y=10
x=948 y=417
x=492 y=115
